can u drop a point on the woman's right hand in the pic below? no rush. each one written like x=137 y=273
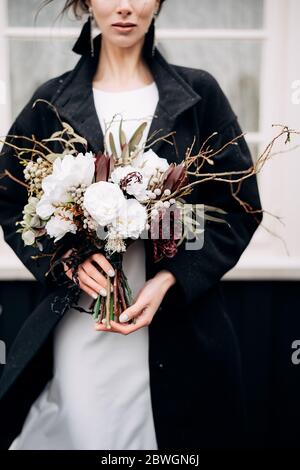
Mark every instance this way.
x=90 y=278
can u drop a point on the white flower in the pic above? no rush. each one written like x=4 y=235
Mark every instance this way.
x=60 y=224
x=67 y=171
x=148 y=163
x=132 y=221
x=114 y=243
x=28 y=237
x=45 y=208
x=104 y=201
x=74 y=170
x=120 y=172
x=70 y=171
x=35 y=221
x=137 y=186
x=30 y=207
x=138 y=189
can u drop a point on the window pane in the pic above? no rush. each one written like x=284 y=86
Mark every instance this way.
x=211 y=14
x=27 y=75
x=21 y=13
x=175 y=13
x=235 y=64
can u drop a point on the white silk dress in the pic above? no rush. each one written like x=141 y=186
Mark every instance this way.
x=99 y=395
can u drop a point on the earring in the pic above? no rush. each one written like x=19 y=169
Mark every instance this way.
x=149 y=43
x=154 y=36
x=91 y=30
x=85 y=44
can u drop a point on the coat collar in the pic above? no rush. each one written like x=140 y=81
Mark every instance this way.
x=74 y=100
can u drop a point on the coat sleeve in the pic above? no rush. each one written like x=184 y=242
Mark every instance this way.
x=13 y=197
x=197 y=270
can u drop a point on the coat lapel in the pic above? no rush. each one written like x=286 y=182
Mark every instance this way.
x=74 y=100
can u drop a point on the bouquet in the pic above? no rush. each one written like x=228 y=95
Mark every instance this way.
x=107 y=201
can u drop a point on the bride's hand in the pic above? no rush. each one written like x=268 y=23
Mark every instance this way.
x=146 y=304
x=90 y=278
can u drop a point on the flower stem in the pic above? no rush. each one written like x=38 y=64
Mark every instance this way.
x=123 y=302
x=107 y=324
x=116 y=309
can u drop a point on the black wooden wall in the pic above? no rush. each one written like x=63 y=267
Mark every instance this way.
x=266 y=316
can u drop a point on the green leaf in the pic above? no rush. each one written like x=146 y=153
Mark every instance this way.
x=127 y=291
x=125 y=154
x=122 y=136
x=214 y=209
x=111 y=307
x=112 y=145
x=97 y=308
x=136 y=137
x=215 y=219
x=191 y=220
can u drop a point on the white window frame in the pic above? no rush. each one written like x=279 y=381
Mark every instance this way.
x=264 y=258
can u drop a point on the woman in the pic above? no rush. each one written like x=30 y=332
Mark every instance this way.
x=55 y=396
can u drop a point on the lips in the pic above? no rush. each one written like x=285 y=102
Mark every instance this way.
x=124 y=25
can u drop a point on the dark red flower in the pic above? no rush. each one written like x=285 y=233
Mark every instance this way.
x=167 y=247
x=175 y=177
x=133 y=177
x=104 y=165
x=164 y=248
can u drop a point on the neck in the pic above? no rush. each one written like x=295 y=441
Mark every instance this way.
x=118 y=66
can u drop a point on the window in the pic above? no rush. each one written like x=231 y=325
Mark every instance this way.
x=249 y=46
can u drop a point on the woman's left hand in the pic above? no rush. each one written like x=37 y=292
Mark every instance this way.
x=145 y=306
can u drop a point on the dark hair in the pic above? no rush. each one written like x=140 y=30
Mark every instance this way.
x=79 y=7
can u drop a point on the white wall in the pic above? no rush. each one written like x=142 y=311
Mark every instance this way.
x=276 y=69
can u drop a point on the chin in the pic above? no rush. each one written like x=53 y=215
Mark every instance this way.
x=124 y=44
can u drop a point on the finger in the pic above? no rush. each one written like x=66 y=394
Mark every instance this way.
x=121 y=329
x=131 y=312
x=95 y=274
x=93 y=285
x=68 y=270
x=88 y=290
x=102 y=327
x=67 y=253
x=100 y=259
x=127 y=329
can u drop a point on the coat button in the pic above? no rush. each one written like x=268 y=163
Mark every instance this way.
x=160 y=365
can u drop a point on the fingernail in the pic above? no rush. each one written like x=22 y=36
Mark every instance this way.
x=103 y=292
x=95 y=296
x=111 y=273
x=123 y=317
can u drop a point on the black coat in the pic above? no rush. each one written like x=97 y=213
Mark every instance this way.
x=195 y=370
